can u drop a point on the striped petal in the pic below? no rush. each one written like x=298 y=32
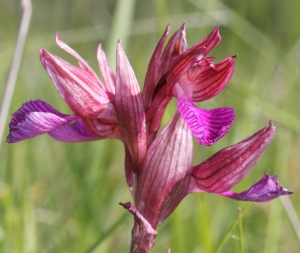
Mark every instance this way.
x=78 y=86
x=266 y=189
x=130 y=108
x=109 y=79
x=230 y=165
x=208 y=126
x=152 y=71
x=165 y=175
x=210 y=80
x=212 y=40
x=175 y=47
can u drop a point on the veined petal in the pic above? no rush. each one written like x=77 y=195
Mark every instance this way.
x=165 y=175
x=185 y=61
x=210 y=81
x=35 y=118
x=81 y=90
x=152 y=71
x=266 y=189
x=82 y=63
x=208 y=126
x=175 y=46
x=130 y=108
x=109 y=79
x=230 y=165
x=212 y=40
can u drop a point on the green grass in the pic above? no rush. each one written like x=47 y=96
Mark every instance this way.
x=58 y=197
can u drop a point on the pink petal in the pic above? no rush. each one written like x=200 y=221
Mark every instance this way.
x=152 y=72
x=109 y=79
x=210 y=81
x=78 y=86
x=212 y=40
x=185 y=61
x=266 y=189
x=208 y=126
x=35 y=118
x=164 y=178
x=82 y=63
x=229 y=166
x=130 y=108
x=176 y=46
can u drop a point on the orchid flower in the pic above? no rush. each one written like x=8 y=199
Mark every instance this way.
x=158 y=165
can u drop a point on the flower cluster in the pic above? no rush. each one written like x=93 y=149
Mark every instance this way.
x=158 y=165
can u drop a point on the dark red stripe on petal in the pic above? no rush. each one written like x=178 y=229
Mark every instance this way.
x=212 y=40
x=130 y=108
x=229 y=166
x=151 y=78
x=211 y=81
x=164 y=179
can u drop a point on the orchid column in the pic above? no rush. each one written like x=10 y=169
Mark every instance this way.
x=158 y=164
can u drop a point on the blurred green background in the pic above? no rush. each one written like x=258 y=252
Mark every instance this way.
x=58 y=197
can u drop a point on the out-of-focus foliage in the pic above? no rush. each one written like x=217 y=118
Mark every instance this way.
x=57 y=197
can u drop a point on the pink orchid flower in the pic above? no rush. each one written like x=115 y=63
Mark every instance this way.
x=158 y=165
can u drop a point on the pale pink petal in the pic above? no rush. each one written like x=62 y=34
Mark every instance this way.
x=130 y=108
x=82 y=63
x=109 y=78
x=164 y=179
x=208 y=126
x=81 y=90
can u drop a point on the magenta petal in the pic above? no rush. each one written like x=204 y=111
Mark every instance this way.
x=35 y=118
x=75 y=132
x=208 y=126
x=266 y=189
